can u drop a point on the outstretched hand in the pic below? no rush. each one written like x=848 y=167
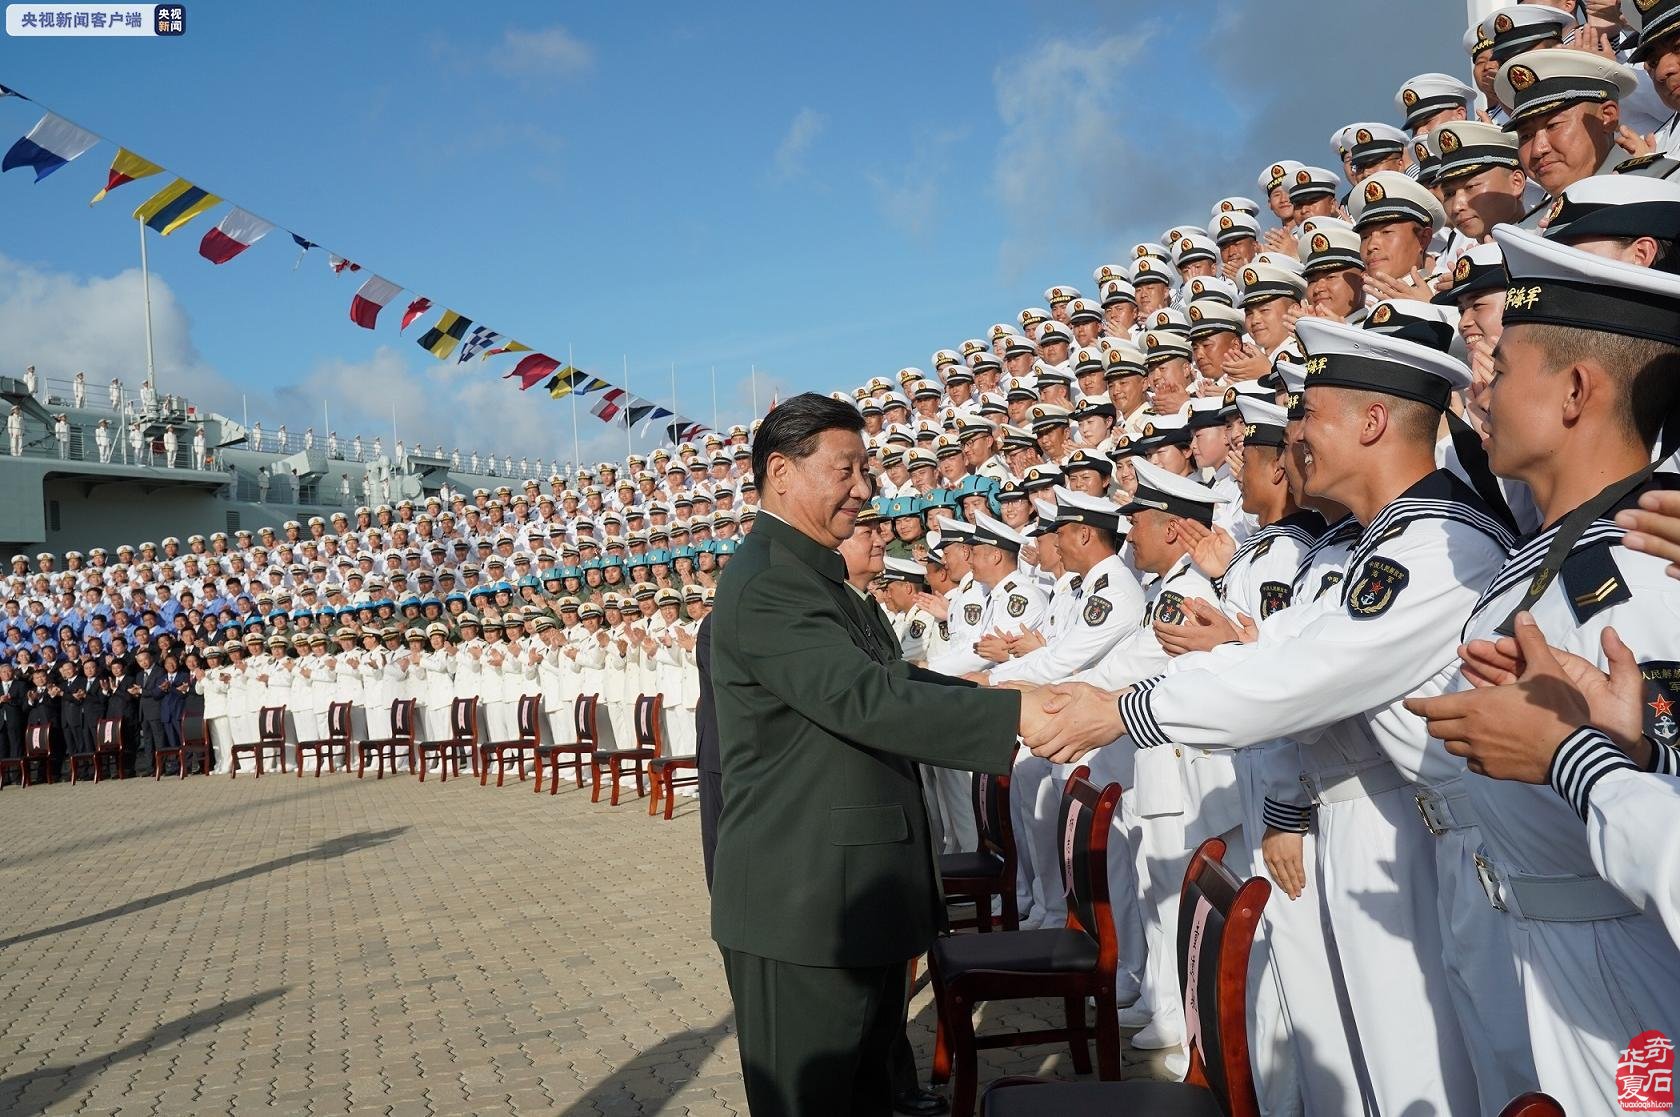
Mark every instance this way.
x=1076 y=718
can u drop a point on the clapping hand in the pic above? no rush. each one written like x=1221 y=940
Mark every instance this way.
x=935 y=605
x=1654 y=528
x=993 y=647
x=1246 y=362
x=1206 y=628
x=1211 y=548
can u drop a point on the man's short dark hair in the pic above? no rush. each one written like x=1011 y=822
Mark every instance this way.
x=793 y=428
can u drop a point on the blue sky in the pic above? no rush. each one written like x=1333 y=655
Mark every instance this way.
x=829 y=192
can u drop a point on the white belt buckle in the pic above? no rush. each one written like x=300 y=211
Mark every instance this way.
x=1492 y=885
x=1426 y=807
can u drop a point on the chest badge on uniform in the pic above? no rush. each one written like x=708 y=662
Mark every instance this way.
x=1662 y=692
x=1017 y=605
x=1273 y=596
x=971 y=614
x=1097 y=610
x=1378 y=584
x=1169 y=607
x=916 y=630
x=1330 y=581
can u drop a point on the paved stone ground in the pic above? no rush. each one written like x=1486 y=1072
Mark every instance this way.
x=333 y=945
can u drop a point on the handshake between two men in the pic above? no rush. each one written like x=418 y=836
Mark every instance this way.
x=1061 y=722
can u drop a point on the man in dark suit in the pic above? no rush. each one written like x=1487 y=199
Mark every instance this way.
x=14 y=692
x=825 y=882
x=153 y=683
x=706 y=750
x=121 y=701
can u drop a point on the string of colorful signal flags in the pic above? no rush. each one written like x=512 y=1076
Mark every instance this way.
x=55 y=141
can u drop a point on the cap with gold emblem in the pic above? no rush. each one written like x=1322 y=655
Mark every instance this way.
x=1480 y=269
x=1469 y=147
x=1650 y=20
x=1517 y=28
x=1373 y=142
x=1543 y=81
x=1264 y=282
x=1311 y=183
x=1236 y=205
x=1116 y=292
x=1228 y=227
x=1428 y=94
x=1122 y=359
x=1332 y=245
x=1160 y=346
x=1211 y=316
x=1394 y=196
x=1281 y=173
x=1628 y=206
x=1148 y=269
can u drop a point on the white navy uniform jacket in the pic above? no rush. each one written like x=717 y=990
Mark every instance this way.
x=1101 y=609
x=1387 y=633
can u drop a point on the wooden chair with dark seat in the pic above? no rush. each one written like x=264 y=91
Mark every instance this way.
x=1217 y=916
x=337 y=741
x=195 y=742
x=37 y=750
x=74 y=760
x=402 y=737
x=108 y=748
x=648 y=745
x=586 y=729
x=18 y=765
x=990 y=870
x=463 y=735
x=528 y=743
x=663 y=769
x=1072 y=962
x=271 y=737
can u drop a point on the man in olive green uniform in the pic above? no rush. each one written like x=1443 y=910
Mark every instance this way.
x=825 y=882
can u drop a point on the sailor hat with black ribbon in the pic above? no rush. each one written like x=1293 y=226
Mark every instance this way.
x=1020 y=345
x=1281 y=173
x=1616 y=206
x=1309 y=183
x=954 y=531
x=1394 y=196
x=1427 y=323
x=1426 y=165
x=1214 y=288
x=1087 y=358
x=1032 y=316
x=1160 y=491
x=1211 y=316
x=1168 y=318
x=1650 y=20
x=1264 y=282
x=1477 y=39
x=1059 y=294
x=1469 y=147
x=1480 y=269
x=1228 y=227
x=1108 y=273
x=1291 y=379
x=1162 y=430
x=1264 y=422
x=1427 y=94
x=1330 y=247
x=1517 y=28
x=1093 y=511
x=1150 y=248
x=1041 y=477
x=1558 y=285
x=1205 y=412
x=1543 y=81
x=1148 y=269
x=1342 y=356
x=1018 y=438
x=972 y=426
x=996 y=533
x=1047 y=416
x=1165 y=345
x=1373 y=141
x=1089 y=406
x=1083 y=458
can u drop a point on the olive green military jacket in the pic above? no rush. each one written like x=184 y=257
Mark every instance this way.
x=823 y=854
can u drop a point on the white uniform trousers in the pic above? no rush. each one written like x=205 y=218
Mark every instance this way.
x=1124 y=895
x=1272 y=1057
x=502 y=718
x=221 y=741
x=679 y=731
x=955 y=791
x=1376 y=872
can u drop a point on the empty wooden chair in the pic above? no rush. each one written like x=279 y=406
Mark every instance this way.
x=663 y=768
x=586 y=727
x=195 y=742
x=74 y=760
x=402 y=737
x=108 y=748
x=989 y=871
x=271 y=737
x=37 y=751
x=336 y=741
x=1217 y=915
x=529 y=741
x=1074 y=962
x=463 y=735
x=647 y=747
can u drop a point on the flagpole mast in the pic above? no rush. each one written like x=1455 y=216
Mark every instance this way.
x=673 y=422
x=628 y=396
x=146 y=293
x=573 y=393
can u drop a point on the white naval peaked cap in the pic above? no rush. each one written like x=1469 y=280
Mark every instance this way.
x=1211 y=316
x=1556 y=284
x=1466 y=147
x=1236 y=204
x=1060 y=293
x=955 y=531
x=1215 y=287
x=1395 y=196
x=1107 y=273
x=1151 y=248
x=904 y=570
x=1425 y=95
x=1160 y=491
x=1226 y=227
x=1082 y=508
x=1032 y=315
x=996 y=533
x=1372 y=140
x=1264 y=282
x=1342 y=356
x=1149 y=269
x=1616 y=205
x=1116 y=291
x=1332 y=247
x=1425 y=322
x=1281 y=173
x=1309 y=182
x=1516 y=28
x=1195 y=246
x=1543 y=81
x=1651 y=20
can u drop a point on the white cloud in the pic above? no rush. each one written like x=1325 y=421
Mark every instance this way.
x=544 y=51
x=807 y=125
x=909 y=197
